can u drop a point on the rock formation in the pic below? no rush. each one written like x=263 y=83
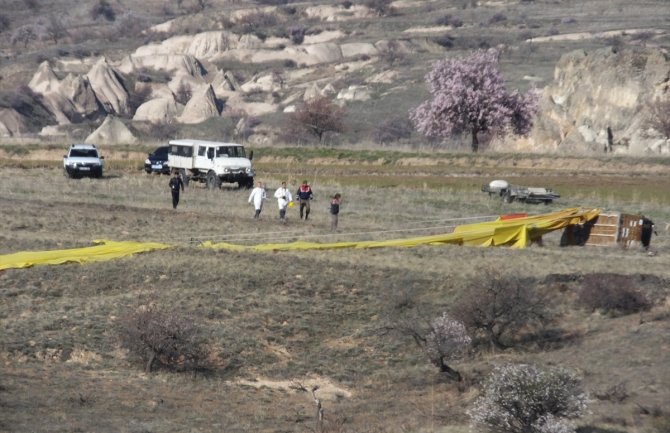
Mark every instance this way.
x=159 y=110
x=108 y=88
x=11 y=123
x=594 y=91
x=112 y=131
x=200 y=107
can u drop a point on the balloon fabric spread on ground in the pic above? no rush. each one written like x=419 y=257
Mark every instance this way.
x=514 y=232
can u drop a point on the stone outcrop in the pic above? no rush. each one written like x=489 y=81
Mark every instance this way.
x=159 y=110
x=594 y=91
x=200 y=107
x=70 y=100
x=108 y=88
x=11 y=123
x=112 y=131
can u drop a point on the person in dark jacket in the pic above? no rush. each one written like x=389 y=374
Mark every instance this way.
x=175 y=184
x=335 y=203
x=304 y=195
x=646 y=229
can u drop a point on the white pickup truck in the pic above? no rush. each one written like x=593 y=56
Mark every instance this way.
x=211 y=162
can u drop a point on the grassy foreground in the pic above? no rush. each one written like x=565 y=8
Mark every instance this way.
x=310 y=317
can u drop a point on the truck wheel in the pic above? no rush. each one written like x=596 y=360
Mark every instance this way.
x=213 y=181
x=184 y=177
x=508 y=197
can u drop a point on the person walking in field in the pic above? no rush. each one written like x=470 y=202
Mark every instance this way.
x=257 y=197
x=284 y=197
x=304 y=195
x=335 y=203
x=175 y=184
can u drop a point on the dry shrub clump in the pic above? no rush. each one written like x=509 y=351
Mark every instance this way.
x=501 y=308
x=154 y=334
x=612 y=293
x=525 y=398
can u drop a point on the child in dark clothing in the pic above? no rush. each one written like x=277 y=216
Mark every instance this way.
x=335 y=203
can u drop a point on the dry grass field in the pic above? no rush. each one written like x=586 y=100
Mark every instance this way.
x=315 y=317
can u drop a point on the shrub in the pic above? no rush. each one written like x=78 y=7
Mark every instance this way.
x=102 y=9
x=525 y=398
x=392 y=53
x=297 y=34
x=347 y=4
x=5 y=23
x=612 y=293
x=153 y=335
x=445 y=40
x=446 y=341
x=381 y=7
x=659 y=117
x=500 y=308
x=448 y=20
x=256 y=22
x=497 y=18
x=392 y=130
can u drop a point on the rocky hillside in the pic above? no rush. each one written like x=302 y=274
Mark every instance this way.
x=250 y=63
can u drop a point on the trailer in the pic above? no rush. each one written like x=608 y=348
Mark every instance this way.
x=525 y=194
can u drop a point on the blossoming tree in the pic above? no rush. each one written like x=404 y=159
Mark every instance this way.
x=469 y=96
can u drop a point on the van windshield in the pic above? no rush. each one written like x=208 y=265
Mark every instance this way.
x=230 y=151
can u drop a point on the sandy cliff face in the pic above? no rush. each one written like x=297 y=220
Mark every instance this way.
x=594 y=91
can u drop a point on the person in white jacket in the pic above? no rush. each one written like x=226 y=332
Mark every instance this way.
x=284 y=197
x=257 y=197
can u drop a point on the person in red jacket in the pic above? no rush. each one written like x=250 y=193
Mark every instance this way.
x=304 y=195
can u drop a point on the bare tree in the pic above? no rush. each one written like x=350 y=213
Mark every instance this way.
x=659 y=117
x=24 y=35
x=317 y=116
x=55 y=30
x=499 y=307
x=159 y=335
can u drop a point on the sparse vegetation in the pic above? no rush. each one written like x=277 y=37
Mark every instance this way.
x=163 y=336
x=501 y=307
x=317 y=116
x=315 y=318
x=525 y=398
x=103 y=10
x=659 y=117
x=612 y=293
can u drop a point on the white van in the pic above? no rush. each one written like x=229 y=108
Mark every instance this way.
x=211 y=162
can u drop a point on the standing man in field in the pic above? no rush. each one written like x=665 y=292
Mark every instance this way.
x=175 y=184
x=257 y=196
x=284 y=197
x=304 y=195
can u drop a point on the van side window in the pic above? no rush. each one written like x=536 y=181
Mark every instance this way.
x=210 y=152
x=201 y=151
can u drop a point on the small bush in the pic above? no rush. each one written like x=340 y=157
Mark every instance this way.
x=525 y=398
x=659 y=117
x=102 y=9
x=445 y=40
x=256 y=22
x=497 y=18
x=5 y=23
x=381 y=7
x=499 y=308
x=612 y=293
x=290 y=64
x=157 y=335
x=347 y=4
x=448 y=20
x=392 y=130
x=297 y=34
